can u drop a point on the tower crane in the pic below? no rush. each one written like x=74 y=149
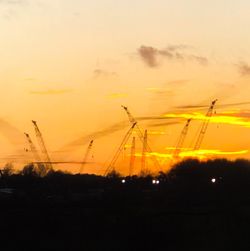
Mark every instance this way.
x=132 y=157
x=141 y=136
x=204 y=126
x=119 y=150
x=181 y=140
x=86 y=156
x=42 y=145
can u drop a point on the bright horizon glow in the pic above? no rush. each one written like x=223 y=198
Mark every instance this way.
x=70 y=65
x=222 y=118
x=199 y=154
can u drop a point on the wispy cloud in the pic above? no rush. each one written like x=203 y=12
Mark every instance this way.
x=96 y=135
x=30 y=79
x=11 y=133
x=10 y=8
x=98 y=73
x=114 y=128
x=161 y=91
x=237 y=118
x=151 y=55
x=13 y=2
x=244 y=68
x=194 y=107
x=51 y=92
x=178 y=82
x=117 y=95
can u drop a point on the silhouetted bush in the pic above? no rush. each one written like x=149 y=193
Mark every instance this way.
x=29 y=170
x=113 y=175
x=8 y=169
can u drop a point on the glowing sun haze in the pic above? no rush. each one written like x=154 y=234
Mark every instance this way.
x=70 y=65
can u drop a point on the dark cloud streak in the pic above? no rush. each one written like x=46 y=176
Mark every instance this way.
x=151 y=55
x=206 y=106
x=244 y=68
x=112 y=129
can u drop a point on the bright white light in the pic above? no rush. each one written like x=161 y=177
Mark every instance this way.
x=123 y=181
x=213 y=180
x=155 y=182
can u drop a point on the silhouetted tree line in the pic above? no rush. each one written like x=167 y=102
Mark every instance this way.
x=64 y=209
x=218 y=169
x=188 y=169
x=197 y=179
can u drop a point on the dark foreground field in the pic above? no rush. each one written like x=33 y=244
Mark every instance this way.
x=186 y=211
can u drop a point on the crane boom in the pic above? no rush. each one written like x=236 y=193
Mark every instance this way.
x=131 y=118
x=141 y=136
x=86 y=156
x=204 y=126
x=33 y=148
x=119 y=150
x=42 y=145
x=181 y=139
x=37 y=160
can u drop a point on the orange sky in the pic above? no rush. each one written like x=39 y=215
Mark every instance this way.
x=70 y=65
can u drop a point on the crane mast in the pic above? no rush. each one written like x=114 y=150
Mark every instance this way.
x=132 y=157
x=144 y=151
x=204 y=126
x=86 y=156
x=141 y=136
x=119 y=150
x=36 y=157
x=181 y=140
x=42 y=145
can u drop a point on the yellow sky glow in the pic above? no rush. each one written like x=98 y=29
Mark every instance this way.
x=227 y=117
x=70 y=65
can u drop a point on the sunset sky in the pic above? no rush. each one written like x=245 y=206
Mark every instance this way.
x=70 y=65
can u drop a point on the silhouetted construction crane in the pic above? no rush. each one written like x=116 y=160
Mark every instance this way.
x=33 y=149
x=141 y=136
x=181 y=140
x=86 y=156
x=111 y=166
x=204 y=126
x=42 y=145
x=36 y=157
x=132 y=157
x=144 y=152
